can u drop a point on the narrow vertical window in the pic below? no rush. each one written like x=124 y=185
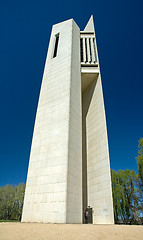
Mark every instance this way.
x=56 y=45
x=94 y=50
x=81 y=49
x=86 y=49
x=90 y=49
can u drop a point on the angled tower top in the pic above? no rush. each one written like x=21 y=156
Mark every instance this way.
x=90 y=25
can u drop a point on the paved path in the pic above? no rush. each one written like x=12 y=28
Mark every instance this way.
x=39 y=231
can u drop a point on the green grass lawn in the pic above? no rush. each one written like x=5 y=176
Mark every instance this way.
x=9 y=221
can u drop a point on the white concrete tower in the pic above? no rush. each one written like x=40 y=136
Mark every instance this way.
x=69 y=160
x=96 y=178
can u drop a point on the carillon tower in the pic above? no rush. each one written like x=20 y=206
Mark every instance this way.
x=69 y=167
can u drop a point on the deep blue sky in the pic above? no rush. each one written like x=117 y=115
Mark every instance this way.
x=25 y=28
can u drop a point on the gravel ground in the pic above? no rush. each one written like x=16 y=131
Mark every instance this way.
x=41 y=231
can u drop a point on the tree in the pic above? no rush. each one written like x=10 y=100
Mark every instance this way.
x=11 y=201
x=140 y=162
x=127 y=188
x=7 y=199
x=19 y=197
x=125 y=196
x=140 y=172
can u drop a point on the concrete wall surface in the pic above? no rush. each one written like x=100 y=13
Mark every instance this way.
x=53 y=188
x=98 y=167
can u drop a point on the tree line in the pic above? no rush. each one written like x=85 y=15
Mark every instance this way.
x=127 y=190
x=11 y=201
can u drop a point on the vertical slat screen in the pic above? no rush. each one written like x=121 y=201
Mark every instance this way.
x=88 y=50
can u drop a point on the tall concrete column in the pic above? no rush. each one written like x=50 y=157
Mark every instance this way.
x=97 y=190
x=98 y=168
x=54 y=181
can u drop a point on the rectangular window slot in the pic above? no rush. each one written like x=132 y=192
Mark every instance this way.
x=90 y=49
x=81 y=49
x=86 y=50
x=94 y=50
x=56 y=45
